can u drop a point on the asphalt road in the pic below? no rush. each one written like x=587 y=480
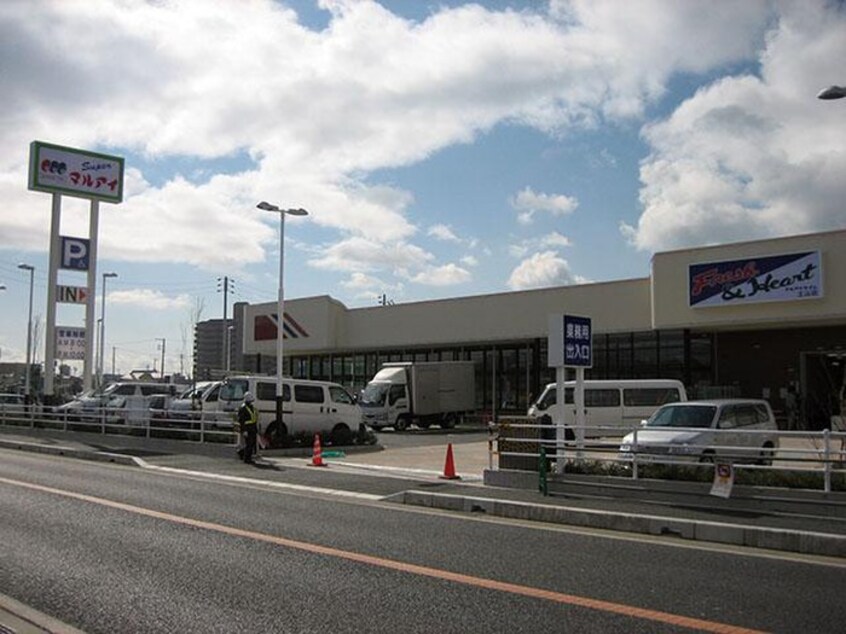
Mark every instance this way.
x=108 y=548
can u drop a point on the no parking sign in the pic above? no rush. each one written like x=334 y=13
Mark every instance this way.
x=723 y=479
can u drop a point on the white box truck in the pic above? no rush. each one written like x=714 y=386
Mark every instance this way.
x=422 y=393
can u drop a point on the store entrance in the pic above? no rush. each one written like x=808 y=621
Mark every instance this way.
x=823 y=388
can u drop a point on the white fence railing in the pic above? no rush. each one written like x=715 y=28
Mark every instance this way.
x=189 y=425
x=518 y=442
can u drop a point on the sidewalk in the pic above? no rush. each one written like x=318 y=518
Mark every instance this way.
x=411 y=475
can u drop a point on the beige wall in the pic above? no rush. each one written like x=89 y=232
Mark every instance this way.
x=614 y=306
x=659 y=302
x=671 y=308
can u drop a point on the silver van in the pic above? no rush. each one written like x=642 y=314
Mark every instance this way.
x=309 y=407
x=742 y=430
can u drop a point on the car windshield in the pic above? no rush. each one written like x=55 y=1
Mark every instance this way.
x=233 y=390
x=683 y=416
x=547 y=399
x=374 y=394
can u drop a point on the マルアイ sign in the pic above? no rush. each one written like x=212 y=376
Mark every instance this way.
x=787 y=277
x=62 y=170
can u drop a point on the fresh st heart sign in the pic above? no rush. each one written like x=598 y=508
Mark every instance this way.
x=72 y=294
x=787 y=277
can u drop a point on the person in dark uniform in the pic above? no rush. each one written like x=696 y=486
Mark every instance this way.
x=248 y=421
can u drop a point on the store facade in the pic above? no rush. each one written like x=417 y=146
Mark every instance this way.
x=752 y=319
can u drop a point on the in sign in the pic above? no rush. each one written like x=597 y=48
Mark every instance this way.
x=72 y=294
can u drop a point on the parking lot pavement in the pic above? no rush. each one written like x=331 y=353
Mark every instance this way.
x=470 y=459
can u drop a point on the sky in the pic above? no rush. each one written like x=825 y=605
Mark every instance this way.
x=442 y=149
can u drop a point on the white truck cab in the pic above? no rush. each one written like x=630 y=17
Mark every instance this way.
x=424 y=393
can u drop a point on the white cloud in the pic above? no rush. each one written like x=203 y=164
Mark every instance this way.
x=542 y=270
x=362 y=254
x=446 y=275
x=753 y=157
x=555 y=239
x=552 y=240
x=470 y=260
x=528 y=202
x=318 y=111
x=149 y=299
x=358 y=281
x=443 y=232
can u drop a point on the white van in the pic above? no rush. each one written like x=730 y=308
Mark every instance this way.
x=611 y=405
x=309 y=407
x=125 y=401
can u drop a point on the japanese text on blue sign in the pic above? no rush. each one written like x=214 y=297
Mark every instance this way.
x=578 y=349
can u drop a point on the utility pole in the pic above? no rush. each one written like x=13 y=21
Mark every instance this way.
x=224 y=285
x=164 y=342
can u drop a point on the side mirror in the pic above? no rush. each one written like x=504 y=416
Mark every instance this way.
x=643 y=422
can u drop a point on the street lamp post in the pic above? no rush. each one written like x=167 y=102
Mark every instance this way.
x=229 y=330
x=101 y=352
x=280 y=305
x=28 y=379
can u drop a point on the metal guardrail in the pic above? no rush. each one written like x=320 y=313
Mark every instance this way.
x=518 y=441
x=191 y=427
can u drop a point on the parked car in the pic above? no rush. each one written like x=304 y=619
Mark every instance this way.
x=705 y=431
x=12 y=405
x=131 y=396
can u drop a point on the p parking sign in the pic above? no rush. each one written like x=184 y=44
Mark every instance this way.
x=75 y=253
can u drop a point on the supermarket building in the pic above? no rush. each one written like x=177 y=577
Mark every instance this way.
x=751 y=319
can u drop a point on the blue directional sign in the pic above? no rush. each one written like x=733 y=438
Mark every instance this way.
x=75 y=253
x=578 y=342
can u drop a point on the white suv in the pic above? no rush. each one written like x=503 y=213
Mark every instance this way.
x=742 y=430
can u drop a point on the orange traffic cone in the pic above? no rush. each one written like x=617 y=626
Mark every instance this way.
x=317 y=453
x=449 y=466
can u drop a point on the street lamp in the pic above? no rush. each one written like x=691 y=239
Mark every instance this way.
x=31 y=269
x=280 y=304
x=832 y=92
x=102 y=330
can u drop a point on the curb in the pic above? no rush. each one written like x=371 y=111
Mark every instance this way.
x=805 y=542
x=72 y=452
x=26 y=620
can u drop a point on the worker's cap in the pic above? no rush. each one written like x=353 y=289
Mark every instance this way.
x=248 y=397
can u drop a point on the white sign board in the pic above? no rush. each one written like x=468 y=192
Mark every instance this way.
x=723 y=480
x=62 y=170
x=70 y=343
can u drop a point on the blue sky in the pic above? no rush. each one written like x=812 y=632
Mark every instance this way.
x=442 y=149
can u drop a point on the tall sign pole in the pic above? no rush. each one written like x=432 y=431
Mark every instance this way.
x=52 y=283
x=59 y=170
x=88 y=371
